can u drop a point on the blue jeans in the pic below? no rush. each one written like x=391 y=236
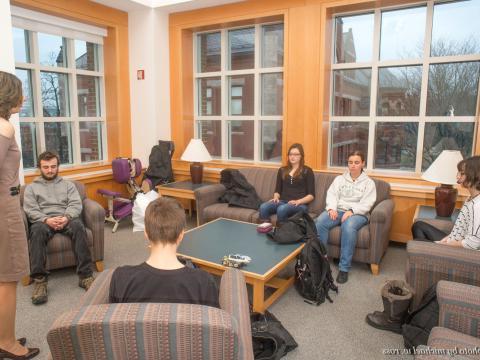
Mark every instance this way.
x=348 y=238
x=283 y=209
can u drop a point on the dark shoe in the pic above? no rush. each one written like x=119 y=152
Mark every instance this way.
x=380 y=320
x=342 y=277
x=22 y=341
x=40 y=291
x=86 y=282
x=32 y=352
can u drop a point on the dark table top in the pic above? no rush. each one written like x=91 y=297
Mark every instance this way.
x=214 y=240
x=186 y=185
x=428 y=212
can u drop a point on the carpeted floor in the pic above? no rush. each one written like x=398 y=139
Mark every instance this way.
x=330 y=331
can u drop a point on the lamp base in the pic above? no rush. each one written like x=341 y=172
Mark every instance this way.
x=445 y=198
x=196 y=172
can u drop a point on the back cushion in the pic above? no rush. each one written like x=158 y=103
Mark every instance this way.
x=263 y=180
x=322 y=183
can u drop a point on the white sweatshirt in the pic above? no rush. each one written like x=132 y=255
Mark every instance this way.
x=345 y=194
x=467 y=226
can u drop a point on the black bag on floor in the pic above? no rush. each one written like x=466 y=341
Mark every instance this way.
x=313 y=274
x=298 y=227
x=271 y=341
x=422 y=320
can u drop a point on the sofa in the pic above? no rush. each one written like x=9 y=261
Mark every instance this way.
x=59 y=250
x=428 y=263
x=97 y=330
x=372 y=238
x=458 y=331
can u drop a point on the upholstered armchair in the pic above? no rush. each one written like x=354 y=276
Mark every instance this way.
x=428 y=263
x=59 y=251
x=458 y=330
x=97 y=330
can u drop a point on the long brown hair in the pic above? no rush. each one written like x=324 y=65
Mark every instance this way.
x=10 y=94
x=288 y=168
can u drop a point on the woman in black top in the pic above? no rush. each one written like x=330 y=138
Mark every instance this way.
x=295 y=188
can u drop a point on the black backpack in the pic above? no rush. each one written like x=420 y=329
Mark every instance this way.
x=313 y=274
x=298 y=227
x=159 y=169
x=422 y=320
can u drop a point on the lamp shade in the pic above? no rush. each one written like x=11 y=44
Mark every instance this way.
x=444 y=169
x=196 y=152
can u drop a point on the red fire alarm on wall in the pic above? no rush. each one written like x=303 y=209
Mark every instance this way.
x=140 y=74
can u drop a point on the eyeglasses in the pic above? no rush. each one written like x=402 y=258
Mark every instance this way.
x=294 y=154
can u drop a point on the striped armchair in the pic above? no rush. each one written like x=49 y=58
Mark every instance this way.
x=97 y=330
x=458 y=328
x=428 y=263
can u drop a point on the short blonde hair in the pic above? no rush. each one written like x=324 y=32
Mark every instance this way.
x=10 y=94
x=164 y=220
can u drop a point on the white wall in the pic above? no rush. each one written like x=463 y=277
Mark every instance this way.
x=7 y=59
x=149 y=98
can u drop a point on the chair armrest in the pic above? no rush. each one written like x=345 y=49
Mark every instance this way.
x=94 y=217
x=380 y=223
x=98 y=293
x=205 y=196
x=25 y=222
x=428 y=263
x=459 y=306
x=143 y=331
x=234 y=300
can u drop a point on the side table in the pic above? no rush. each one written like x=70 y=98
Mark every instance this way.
x=428 y=214
x=182 y=190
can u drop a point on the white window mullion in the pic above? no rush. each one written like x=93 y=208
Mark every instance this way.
x=37 y=92
x=224 y=91
x=196 y=114
x=257 y=95
x=74 y=112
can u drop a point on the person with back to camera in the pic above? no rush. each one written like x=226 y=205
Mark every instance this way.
x=13 y=239
x=294 y=189
x=466 y=230
x=162 y=277
x=349 y=200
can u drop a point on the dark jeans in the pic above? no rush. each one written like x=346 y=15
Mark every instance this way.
x=41 y=233
x=425 y=232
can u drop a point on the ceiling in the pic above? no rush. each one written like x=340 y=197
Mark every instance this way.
x=167 y=5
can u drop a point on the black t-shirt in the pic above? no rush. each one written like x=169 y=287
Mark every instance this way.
x=294 y=188
x=144 y=283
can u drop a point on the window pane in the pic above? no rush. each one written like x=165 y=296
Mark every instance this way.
x=241 y=94
x=209 y=96
x=54 y=94
x=272 y=94
x=210 y=131
x=271 y=136
x=52 y=50
x=88 y=95
x=208 y=52
x=446 y=136
x=20 y=45
x=399 y=91
x=86 y=55
x=240 y=143
x=25 y=77
x=58 y=138
x=352 y=92
x=396 y=145
x=241 y=44
x=402 y=34
x=452 y=89
x=91 y=141
x=272 y=45
x=347 y=137
x=28 y=136
x=353 y=38
x=456 y=28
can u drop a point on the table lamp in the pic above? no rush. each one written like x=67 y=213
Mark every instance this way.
x=196 y=153
x=443 y=170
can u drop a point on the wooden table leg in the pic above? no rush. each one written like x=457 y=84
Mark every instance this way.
x=258 y=296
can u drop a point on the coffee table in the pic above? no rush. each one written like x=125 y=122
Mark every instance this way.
x=207 y=244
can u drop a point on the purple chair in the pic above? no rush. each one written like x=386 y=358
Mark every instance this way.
x=125 y=171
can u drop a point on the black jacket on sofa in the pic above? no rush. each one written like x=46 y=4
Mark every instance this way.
x=239 y=192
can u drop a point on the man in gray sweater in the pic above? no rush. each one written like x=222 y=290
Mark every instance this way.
x=53 y=205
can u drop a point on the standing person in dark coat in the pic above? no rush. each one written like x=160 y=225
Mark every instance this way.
x=295 y=188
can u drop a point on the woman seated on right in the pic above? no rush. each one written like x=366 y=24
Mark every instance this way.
x=465 y=232
x=349 y=201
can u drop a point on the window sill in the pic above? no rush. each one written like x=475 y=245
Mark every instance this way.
x=87 y=173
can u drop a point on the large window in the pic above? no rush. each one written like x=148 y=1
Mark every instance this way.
x=63 y=85
x=239 y=92
x=405 y=84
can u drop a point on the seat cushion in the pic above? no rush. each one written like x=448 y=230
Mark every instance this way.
x=219 y=210
x=363 y=237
